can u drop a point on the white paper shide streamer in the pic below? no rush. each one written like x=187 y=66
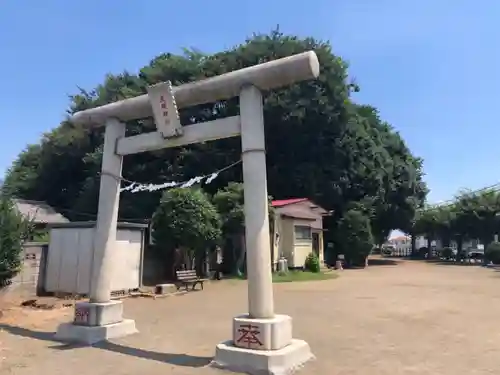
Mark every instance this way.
x=136 y=187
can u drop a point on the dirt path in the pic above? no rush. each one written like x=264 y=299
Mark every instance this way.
x=409 y=318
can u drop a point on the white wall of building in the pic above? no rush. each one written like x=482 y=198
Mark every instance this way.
x=403 y=243
x=70 y=259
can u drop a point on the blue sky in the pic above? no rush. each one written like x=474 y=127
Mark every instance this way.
x=431 y=67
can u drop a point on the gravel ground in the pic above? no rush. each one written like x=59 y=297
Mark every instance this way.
x=403 y=318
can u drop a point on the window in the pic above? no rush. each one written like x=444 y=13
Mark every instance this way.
x=303 y=232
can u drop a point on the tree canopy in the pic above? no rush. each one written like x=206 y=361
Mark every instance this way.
x=320 y=144
x=185 y=223
x=229 y=202
x=472 y=215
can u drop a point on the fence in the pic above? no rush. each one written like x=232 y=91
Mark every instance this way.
x=401 y=253
x=396 y=252
x=30 y=279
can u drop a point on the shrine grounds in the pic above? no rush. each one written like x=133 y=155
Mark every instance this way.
x=397 y=317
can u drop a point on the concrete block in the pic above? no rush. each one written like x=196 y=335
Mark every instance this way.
x=284 y=361
x=98 y=314
x=262 y=334
x=163 y=289
x=92 y=334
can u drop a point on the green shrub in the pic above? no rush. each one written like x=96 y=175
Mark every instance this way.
x=422 y=252
x=447 y=253
x=14 y=229
x=355 y=237
x=185 y=225
x=461 y=254
x=492 y=253
x=312 y=263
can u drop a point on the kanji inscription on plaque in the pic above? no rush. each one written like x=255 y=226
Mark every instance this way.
x=165 y=110
x=248 y=336
x=81 y=315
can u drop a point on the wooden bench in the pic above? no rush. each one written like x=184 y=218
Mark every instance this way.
x=187 y=278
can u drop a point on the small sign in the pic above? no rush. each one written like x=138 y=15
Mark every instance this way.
x=341 y=257
x=82 y=315
x=165 y=113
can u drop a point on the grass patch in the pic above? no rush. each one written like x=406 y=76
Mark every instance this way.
x=291 y=276
x=302 y=276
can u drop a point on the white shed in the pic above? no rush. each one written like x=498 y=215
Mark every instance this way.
x=69 y=260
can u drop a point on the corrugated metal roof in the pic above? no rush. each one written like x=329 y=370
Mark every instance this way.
x=298 y=212
x=39 y=212
x=284 y=202
x=92 y=224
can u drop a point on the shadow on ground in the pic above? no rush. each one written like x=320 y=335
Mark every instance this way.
x=184 y=360
x=382 y=262
x=440 y=262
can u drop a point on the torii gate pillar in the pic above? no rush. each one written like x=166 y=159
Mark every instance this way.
x=262 y=341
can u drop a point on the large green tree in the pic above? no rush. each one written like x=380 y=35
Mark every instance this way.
x=186 y=226
x=402 y=190
x=320 y=144
x=472 y=215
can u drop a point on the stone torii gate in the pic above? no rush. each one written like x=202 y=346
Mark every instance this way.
x=262 y=340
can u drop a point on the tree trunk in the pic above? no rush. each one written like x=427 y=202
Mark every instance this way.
x=413 y=244
x=486 y=241
x=174 y=263
x=446 y=241
x=460 y=245
x=187 y=258
x=272 y=230
x=429 y=249
x=240 y=264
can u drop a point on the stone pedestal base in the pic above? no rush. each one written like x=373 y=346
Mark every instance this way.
x=262 y=347
x=338 y=265
x=90 y=335
x=94 y=322
x=283 y=361
x=262 y=334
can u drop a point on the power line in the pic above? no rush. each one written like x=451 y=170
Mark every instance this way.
x=450 y=202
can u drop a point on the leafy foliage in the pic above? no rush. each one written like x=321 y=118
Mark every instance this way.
x=428 y=223
x=185 y=220
x=14 y=229
x=470 y=216
x=447 y=253
x=492 y=252
x=312 y=263
x=229 y=202
x=355 y=237
x=320 y=144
